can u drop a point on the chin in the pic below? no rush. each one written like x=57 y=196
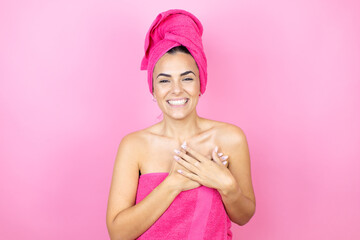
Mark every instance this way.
x=176 y=113
x=178 y=116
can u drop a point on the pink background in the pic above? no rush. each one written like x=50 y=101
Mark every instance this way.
x=286 y=72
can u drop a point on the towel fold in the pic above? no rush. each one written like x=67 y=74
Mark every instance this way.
x=194 y=214
x=173 y=28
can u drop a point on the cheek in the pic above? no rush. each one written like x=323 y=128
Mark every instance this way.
x=194 y=87
x=161 y=90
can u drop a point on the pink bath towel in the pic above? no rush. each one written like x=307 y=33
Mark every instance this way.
x=194 y=214
x=170 y=29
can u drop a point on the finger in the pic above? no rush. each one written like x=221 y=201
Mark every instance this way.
x=190 y=175
x=185 y=164
x=175 y=166
x=194 y=153
x=219 y=155
x=223 y=158
x=215 y=156
x=187 y=157
x=225 y=163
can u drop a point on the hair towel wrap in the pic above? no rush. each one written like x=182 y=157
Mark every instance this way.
x=170 y=29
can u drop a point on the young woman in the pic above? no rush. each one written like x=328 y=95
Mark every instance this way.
x=186 y=176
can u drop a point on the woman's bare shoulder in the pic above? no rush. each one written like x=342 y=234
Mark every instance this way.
x=135 y=139
x=229 y=136
x=131 y=149
x=226 y=130
x=138 y=139
x=233 y=130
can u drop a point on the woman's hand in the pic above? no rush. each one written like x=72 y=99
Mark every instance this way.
x=212 y=173
x=179 y=182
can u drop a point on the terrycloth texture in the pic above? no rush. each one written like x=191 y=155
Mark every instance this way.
x=194 y=214
x=173 y=28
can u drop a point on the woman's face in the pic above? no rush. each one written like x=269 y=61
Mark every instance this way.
x=176 y=84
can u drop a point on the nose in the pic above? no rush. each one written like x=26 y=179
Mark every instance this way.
x=177 y=87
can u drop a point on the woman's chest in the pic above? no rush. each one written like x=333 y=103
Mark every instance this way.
x=158 y=154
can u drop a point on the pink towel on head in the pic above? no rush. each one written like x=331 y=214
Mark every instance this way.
x=173 y=28
x=195 y=214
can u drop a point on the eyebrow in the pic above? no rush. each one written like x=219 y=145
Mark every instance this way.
x=182 y=74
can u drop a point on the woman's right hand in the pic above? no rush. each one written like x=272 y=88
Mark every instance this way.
x=178 y=181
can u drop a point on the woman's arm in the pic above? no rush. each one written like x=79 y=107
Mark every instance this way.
x=124 y=219
x=133 y=221
x=238 y=194
x=233 y=183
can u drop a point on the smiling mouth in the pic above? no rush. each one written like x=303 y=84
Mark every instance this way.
x=178 y=102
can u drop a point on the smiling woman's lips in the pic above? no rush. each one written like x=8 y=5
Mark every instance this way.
x=178 y=102
x=177 y=99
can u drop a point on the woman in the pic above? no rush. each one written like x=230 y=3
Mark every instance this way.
x=194 y=172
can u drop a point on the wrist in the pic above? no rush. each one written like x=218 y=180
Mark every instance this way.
x=171 y=188
x=230 y=188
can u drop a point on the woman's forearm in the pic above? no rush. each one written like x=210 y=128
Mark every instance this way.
x=239 y=207
x=134 y=221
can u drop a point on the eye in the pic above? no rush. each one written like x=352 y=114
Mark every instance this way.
x=188 y=79
x=163 y=81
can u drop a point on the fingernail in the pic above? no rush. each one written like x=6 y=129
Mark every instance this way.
x=224 y=157
x=179 y=171
x=216 y=149
x=220 y=154
x=184 y=145
x=176 y=151
x=176 y=158
x=224 y=162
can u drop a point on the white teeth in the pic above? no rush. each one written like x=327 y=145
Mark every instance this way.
x=178 y=102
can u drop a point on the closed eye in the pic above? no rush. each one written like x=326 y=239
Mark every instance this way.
x=163 y=81
x=188 y=79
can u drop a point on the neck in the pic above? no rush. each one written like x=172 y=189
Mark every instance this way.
x=181 y=129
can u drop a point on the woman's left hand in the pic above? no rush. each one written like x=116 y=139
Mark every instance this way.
x=210 y=173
